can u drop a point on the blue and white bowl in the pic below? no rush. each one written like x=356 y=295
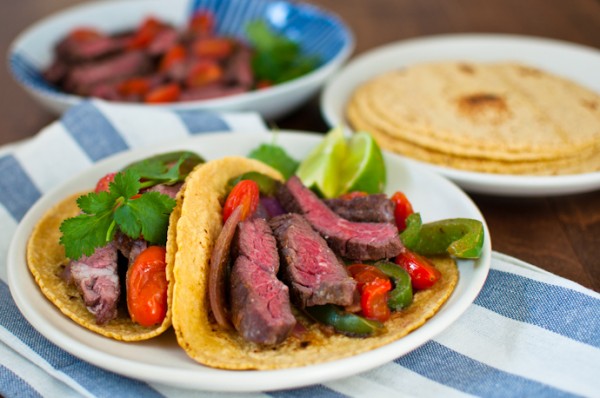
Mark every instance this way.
x=318 y=32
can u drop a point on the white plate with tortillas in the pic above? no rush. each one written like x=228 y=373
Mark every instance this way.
x=498 y=114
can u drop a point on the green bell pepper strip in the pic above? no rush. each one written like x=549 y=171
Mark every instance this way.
x=410 y=235
x=459 y=237
x=344 y=322
x=402 y=294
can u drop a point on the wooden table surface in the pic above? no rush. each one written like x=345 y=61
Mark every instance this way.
x=559 y=234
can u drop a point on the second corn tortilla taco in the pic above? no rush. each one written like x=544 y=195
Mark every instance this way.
x=197 y=222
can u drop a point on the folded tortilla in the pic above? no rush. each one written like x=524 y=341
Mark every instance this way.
x=47 y=261
x=198 y=222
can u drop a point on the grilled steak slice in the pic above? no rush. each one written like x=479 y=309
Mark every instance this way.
x=351 y=240
x=129 y=247
x=96 y=277
x=73 y=50
x=370 y=208
x=82 y=79
x=169 y=190
x=260 y=303
x=312 y=270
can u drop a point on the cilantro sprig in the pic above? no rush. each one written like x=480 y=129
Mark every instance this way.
x=167 y=168
x=276 y=157
x=121 y=207
x=276 y=58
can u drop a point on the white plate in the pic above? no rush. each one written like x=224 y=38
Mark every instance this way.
x=161 y=360
x=576 y=62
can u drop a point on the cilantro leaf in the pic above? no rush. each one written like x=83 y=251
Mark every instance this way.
x=82 y=234
x=147 y=215
x=276 y=58
x=167 y=168
x=276 y=157
x=135 y=215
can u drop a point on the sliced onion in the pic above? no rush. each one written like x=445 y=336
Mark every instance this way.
x=217 y=273
x=272 y=206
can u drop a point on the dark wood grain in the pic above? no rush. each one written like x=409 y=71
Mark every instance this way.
x=559 y=234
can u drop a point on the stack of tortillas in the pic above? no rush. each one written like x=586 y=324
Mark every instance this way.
x=495 y=117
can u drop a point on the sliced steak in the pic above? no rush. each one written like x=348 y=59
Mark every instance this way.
x=96 y=278
x=369 y=208
x=82 y=79
x=169 y=190
x=73 y=50
x=129 y=248
x=260 y=303
x=351 y=240
x=311 y=269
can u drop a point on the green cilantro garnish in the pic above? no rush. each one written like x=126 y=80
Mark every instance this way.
x=166 y=168
x=276 y=157
x=121 y=207
x=276 y=59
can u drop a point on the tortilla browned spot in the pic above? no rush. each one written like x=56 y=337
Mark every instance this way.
x=46 y=261
x=198 y=333
x=491 y=117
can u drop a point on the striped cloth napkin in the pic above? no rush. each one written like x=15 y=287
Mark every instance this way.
x=529 y=333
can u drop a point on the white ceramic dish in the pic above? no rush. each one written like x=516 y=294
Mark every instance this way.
x=318 y=32
x=575 y=62
x=161 y=359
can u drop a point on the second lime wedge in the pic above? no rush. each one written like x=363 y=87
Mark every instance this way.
x=363 y=168
x=321 y=169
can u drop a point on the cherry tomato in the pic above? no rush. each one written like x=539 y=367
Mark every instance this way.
x=402 y=209
x=147 y=287
x=263 y=84
x=134 y=86
x=374 y=300
x=145 y=33
x=423 y=273
x=84 y=34
x=165 y=93
x=202 y=23
x=104 y=183
x=173 y=56
x=204 y=72
x=373 y=286
x=213 y=47
x=246 y=194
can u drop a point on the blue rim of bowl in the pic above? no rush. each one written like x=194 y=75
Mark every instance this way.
x=335 y=44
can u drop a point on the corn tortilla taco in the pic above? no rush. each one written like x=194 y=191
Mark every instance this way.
x=195 y=227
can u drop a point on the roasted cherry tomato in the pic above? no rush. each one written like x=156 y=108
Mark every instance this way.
x=134 y=86
x=204 y=72
x=104 y=183
x=147 y=287
x=173 y=56
x=213 y=47
x=146 y=33
x=423 y=273
x=246 y=194
x=263 y=84
x=84 y=34
x=373 y=286
x=403 y=209
x=202 y=23
x=166 y=93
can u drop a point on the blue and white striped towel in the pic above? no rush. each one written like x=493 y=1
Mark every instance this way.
x=529 y=333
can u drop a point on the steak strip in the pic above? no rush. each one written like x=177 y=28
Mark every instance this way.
x=369 y=208
x=97 y=279
x=312 y=270
x=351 y=240
x=260 y=303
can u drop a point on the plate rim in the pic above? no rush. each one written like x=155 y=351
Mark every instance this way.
x=233 y=381
x=471 y=181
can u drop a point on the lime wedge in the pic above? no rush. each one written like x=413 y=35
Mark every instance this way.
x=320 y=170
x=363 y=169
